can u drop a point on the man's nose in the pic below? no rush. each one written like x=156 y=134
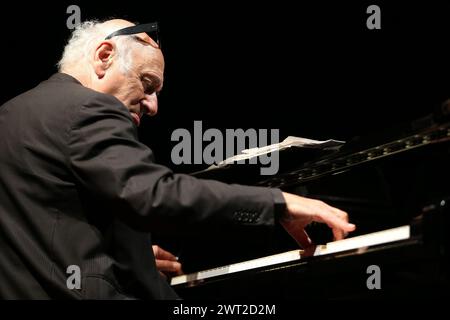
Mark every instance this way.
x=150 y=104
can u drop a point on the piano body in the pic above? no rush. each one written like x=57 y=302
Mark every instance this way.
x=394 y=187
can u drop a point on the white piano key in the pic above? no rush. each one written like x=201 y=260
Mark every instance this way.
x=363 y=241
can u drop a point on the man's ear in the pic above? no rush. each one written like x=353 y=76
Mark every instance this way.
x=103 y=58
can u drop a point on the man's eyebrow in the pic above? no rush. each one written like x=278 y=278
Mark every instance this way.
x=144 y=42
x=155 y=81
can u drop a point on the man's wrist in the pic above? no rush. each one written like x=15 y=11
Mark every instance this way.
x=280 y=206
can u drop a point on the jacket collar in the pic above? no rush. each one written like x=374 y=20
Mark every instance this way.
x=64 y=77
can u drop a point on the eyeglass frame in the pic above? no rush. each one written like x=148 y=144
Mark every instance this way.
x=140 y=28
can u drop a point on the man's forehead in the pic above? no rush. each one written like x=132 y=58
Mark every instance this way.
x=150 y=61
x=116 y=24
x=147 y=39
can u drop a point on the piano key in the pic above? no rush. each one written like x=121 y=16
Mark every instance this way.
x=359 y=242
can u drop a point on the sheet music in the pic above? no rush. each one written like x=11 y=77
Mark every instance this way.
x=289 y=142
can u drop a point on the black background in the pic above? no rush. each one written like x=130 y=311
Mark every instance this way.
x=311 y=70
x=308 y=69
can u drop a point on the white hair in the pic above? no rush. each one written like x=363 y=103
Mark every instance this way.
x=81 y=43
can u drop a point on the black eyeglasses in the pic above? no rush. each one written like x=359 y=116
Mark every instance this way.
x=151 y=29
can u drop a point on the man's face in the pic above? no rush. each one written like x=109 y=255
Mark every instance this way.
x=137 y=88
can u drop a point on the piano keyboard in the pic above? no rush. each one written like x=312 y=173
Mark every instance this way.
x=359 y=242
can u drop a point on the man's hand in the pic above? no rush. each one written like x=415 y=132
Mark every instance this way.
x=302 y=211
x=166 y=263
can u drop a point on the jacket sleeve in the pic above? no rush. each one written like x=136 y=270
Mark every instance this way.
x=109 y=163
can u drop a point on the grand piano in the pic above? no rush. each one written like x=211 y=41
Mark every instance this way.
x=395 y=185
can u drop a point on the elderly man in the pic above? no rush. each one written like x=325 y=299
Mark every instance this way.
x=79 y=192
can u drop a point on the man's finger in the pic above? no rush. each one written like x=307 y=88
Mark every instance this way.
x=303 y=239
x=338 y=234
x=168 y=266
x=341 y=214
x=298 y=233
x=163 y=254
x=334 y=221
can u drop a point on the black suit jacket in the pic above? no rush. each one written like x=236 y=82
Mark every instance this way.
x=78 y=188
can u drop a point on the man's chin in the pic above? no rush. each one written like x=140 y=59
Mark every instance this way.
x=136 y=119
